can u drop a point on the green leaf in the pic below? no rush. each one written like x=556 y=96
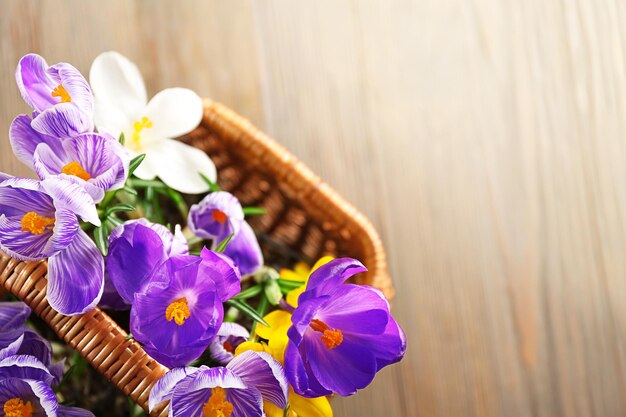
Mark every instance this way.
x=222 y=246
x=114 y=220
x=287 y=285
x=247 y=309
x=101 y=238
x=138 y=183
x=178 y=200
x=148 y=207
x=249 y=293
x=212 y=186
x=129 y=190
x=122 y=138
x=254 y=211
x=135 y=162
x=119 y=207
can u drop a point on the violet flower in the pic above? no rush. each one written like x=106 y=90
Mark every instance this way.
x=13 y=316
x=237 y=390
x=135 y=249
x=37 y=221
x=179 y=311
x=342 y=334
x=229 y=336
x=59 y=94
x=219 y=215
x=26 y=389
x=96 y=162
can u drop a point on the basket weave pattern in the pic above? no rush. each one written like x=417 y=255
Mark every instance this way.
x=305 y=218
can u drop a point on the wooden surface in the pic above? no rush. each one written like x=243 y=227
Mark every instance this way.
x=486 y=139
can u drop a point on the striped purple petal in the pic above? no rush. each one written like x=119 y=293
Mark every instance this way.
x=67 y=194
x=164 y=388
x=229 y=336
x=25 y=367
x=65 y=411
x=24 y=139
x=76 y=277
x=13 y=315
x=35 y=83
x=63 y=121
x=261 y=371
x=41 y=396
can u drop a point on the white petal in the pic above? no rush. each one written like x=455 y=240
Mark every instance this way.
x=173 y=112
x=178 y=165
x=119 y=91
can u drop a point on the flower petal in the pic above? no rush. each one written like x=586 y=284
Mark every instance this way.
x=119 y=91
x=300 y=376
x=13 y=314
x=174 y=112
x=261 y=371
x=17 y=388
x=344 y=369
x=194 y=391
x=332 y=274
x=25 y=367
x=202 y=220
x=76 y=277
x=244 y=249
x=65 y=411
x=178 y=165
x=76 y=86
x=62 y=121
x=70 y=195
x=222 y=271
x=164 y=387
x=24 y=246
x=10 y=342
x=24 y=139
x=35 y=83
x=246 y=402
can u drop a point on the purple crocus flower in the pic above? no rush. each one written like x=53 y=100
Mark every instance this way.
x=59 y=94
x=178 y=312
x=135 y=249
x=26 y=389
x=237 y=390
x=13 y=316
x=219 y=215
x=37 y=221
x=342 y=334
x=229 y=336
x=96 y=162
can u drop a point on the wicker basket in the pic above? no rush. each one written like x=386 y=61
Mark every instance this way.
x=305 y=218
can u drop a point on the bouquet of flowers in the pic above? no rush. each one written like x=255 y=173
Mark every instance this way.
x=131 y=219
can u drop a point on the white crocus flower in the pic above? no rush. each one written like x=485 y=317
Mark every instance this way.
x=122 y=106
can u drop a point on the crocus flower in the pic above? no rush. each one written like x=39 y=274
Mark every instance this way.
x=237 y=390
x=26 y=389
x=95 y=161
x=122 y=107
x=37 y=221
x=229 y=337
x=342 y=334
x=179 y=311
x=219 y=215
x=135 y=249
x=59 y=94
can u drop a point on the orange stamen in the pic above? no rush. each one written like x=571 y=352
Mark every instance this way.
x=229 y=347
x=75 y=169
x=217 y=406
x=15 y=407
x=178 y=311
x=331 y=338
x=219 y=216
x=36 y=224
x=62 y=93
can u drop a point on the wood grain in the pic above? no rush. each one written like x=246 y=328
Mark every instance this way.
x=486 y=139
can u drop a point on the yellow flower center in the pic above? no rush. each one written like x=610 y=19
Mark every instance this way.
x=15 y=407
x=217 y=406
x=75 y=169
x=36 y=224
x=62 y=93
x=178 y=311
x=219 y=216
x=144 y=123
x=332 y=338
